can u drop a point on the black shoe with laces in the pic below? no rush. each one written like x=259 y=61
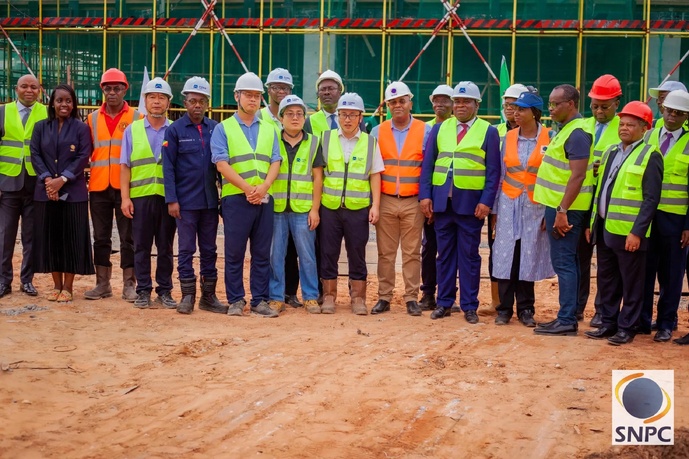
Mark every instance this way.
x=526 y=318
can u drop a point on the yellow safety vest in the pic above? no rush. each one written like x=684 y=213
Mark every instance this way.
x=295 y=181
x=674 y=198
x=146 y=173
x=266 y=116
x=14 y=149
x=609 y=137
x=319 y=123
x=467 y=158
x=347 y=185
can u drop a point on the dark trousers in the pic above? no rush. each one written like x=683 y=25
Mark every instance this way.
x=13 y=206
x=620 y=280
x=665 y=258
x=585 y=253
x=201 y=224
x=102 y=204
x=245 y=222
x=291 y=268
x=429 y=252
x=510 y=288
x=352 y=225
x=152 y=223
x=458 y=238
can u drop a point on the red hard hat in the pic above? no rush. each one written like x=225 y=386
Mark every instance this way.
x=638 y=109
x=114 y=76
x=605 y=87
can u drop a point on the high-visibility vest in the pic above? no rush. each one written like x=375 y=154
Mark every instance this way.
x=14 y=149
x=319 y=123
x=502 y=132
x=467 y=158
x=660 y=122
x=402 y=172
x=105 y=158
x=251 y=164
x=347 y=185
x=674 y=198
x=609 y=137
x=431 y=123
x=627 y=192
x=517 y=178
x=265 y=115
x=295 y=181
x=146 y=173
x=554 y=172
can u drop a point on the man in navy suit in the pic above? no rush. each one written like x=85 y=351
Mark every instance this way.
x=459 y=180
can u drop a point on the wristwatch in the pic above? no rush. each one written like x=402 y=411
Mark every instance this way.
x=560 y=210
x=64 y=179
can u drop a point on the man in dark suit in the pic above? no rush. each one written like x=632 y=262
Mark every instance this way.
x=627 y=195
x=18 y=180
x=459 y=179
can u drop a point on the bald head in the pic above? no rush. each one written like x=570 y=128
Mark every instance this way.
x=28 y=90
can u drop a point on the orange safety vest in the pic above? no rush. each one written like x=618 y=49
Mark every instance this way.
x=517 y=179
x=105 y=159
x=402 y=172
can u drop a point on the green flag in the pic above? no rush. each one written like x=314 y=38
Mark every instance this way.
x=504 y=84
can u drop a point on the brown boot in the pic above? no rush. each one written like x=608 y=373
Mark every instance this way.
x=357 y=291
x=329 y=296
x=129 y=289
x=103 y=288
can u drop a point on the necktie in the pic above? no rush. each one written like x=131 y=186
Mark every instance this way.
x=666 y=143
x=333 y=122
x=25 y=116
x=462 y=133
x=599 y=131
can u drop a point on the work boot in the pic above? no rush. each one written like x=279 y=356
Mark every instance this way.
x=277 y=306
x=188 y=295
x=357 y=292
x=167 y=301
x=312 y=307
x=428 y=302
x=129 y=289
x=329 y=296
x=103 y=288
x=209 y=301
x=494 y=295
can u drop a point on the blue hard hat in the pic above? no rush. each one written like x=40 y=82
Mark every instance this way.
x=528 y=100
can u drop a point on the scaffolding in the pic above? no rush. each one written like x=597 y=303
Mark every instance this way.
x=545 y=42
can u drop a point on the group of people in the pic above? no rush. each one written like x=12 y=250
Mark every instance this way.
x=294 y=185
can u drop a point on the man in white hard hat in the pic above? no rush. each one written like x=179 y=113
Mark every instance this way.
x=459 y=181
x=279 y=84
x=659 y=95
x=329 y=88
x=246 y=152
x=350 y=201
x=143 y=196
x=401 y=140
x=192 y=198
x=441 y=99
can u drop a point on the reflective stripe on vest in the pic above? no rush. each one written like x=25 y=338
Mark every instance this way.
x=347 y=184
x=14 y=149
x=518 y=179
x=674 y=198
x=295 y=181
x=554 y=172
x=627 y=191
x=609 y=137
x=252 y=165
x=105 y=159
x=146 y=173
x=467 y=159
x=403 y=170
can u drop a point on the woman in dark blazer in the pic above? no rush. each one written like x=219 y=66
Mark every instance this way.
x=60 y=150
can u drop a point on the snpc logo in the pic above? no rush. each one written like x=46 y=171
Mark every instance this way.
x=642 y=407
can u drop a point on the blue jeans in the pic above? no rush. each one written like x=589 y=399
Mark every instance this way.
x=297 y=224
x=563 y=256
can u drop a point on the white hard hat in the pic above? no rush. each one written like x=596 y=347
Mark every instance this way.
x=351 y=101
x=198 y=85
x=515 y=90
x=678 y=100
x=280 y=75
x=442 y=90
x=466 y=90
x=397 y=89
x=158 y=85
x=249 y=82
x=330 y=75
x=290 y=101
x=669 y=85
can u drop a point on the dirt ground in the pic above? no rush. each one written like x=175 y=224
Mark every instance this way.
x=96 y=379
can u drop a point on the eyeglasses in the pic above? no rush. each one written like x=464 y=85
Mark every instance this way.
x=507 y=105
x=295 y=115
x=673 y=112
x=280 y=88
x=552 y=105
x=604 y=108
x=194 y=102
x=347 y=116
x=113 y=89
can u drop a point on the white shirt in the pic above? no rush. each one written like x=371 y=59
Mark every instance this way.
x=348 y=145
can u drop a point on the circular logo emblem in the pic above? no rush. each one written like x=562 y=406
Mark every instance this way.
x=642 y=398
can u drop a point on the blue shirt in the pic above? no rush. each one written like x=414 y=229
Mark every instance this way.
x=190 y=176
x=155 y=139
x=219 y=141
x=400 y=135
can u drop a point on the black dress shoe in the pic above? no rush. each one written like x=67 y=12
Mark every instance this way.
x=428 y=302
x=381 y=306
x=413 y=308
x=471 y=317
x=293 y=300
x=440 y=312
x=546 y=324
x=5 y=289
x=557 y=329
x=601 y=333
x=596 y=320
x=526 y=318
x=662 y=336
x=29 y=289
x=502 y=319
x=621 y=337
x=683 y=341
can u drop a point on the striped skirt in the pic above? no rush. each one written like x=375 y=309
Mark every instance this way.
x=62 y=239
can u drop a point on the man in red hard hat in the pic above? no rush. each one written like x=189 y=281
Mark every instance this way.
x=107 y=127
x=627 y=195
